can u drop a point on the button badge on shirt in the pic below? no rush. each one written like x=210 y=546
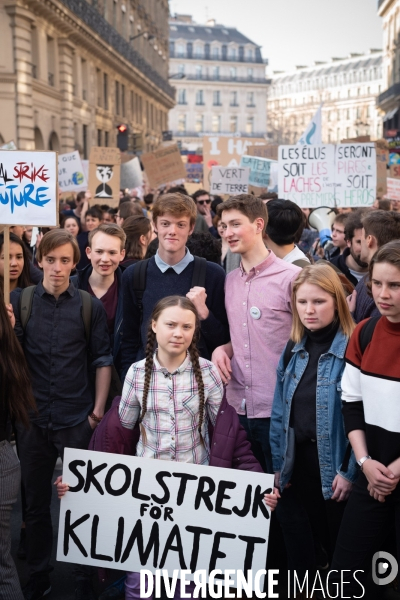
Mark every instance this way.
x=255 y=313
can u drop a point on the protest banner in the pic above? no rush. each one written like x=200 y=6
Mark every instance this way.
x=260 y=170
x=394 y=171
x=163 y=165
x=355 y=174
x=393 y=189
x=191 y=188
x=264 y=151
x=130 y=513
x=224 y=151
x=104 y=175
x=131 y=174
x=229 y=180
x=306 y=175
x=28 y=195
x=71 y=176
x=194 y=172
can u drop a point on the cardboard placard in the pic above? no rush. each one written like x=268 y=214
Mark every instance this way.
x=28 y=188
x=267 y=151
x=163 y=165
x=394 y=172
x=229 y=180
x=71 y=176
x=306 y=175
x=225 y=151
x=105 y=175
x=260 y=170
x=134 y=513
x=194 y=172
x=355 y=174
x=131 y=174
x=393 y=189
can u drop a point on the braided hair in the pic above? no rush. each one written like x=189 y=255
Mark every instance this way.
x=163 y=304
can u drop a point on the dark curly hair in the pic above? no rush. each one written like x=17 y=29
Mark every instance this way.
x=206 y=246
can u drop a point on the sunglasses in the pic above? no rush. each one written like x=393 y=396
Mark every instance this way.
x=203 y=202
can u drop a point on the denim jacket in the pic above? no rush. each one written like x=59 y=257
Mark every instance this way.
x=332 y=442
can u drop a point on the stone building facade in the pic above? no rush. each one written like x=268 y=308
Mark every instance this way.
x=220 y=82
x=348 y=88
x=389 y=99
x=70 y=72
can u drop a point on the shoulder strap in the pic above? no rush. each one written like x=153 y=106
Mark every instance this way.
x=367 y=332
x=25 y=305
x=288 y=353
x=301 y=263
x=86 y=313
x=199 y=272
x=139 y=283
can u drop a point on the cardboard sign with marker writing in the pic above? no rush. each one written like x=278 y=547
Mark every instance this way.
x=131 y=513
x=164 y=165
x=105 y=175
x=224 y=151
x=230 y=180
x=266 y=151
x=71 y=176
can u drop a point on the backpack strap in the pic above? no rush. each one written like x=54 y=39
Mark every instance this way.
x=139 y=283
x=367 y=332
x=199 y=272
x=86 y=313
x=288 y=353
x=25 y=305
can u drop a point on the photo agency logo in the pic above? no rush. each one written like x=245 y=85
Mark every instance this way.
x=384 y=568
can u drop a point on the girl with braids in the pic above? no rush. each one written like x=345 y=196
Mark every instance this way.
x=178 y=400
x=16 y=398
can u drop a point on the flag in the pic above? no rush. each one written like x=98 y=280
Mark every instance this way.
x=313 y=133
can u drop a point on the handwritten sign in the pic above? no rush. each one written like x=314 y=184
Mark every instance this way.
x=393 y=189
x=71 y=176
x=225 y=151
x=355 y=174
x=306 y=175
x=129 y=513
x=105 y=175
x=260 y=170
x=230 y=180
x=267 y=151
x=28 y=188
x=164 y=165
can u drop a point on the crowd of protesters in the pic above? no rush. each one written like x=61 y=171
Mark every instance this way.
x=179 y=312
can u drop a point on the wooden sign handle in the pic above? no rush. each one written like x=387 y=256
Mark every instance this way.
x=6 y=252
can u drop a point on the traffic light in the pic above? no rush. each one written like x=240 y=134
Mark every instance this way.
x=122 y=137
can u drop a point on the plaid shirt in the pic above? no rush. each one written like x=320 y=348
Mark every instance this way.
x=172 y=417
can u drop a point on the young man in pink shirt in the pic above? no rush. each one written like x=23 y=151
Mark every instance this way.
x=257 y=299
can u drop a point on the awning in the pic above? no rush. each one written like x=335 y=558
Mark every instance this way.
x=390 y=114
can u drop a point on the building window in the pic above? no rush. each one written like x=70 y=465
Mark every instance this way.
x=233 y=123
x=368 y=112
x=215 y=72
x=180 y=50
x=249 y=54
x=233 y=72
x=207 y=51
x=182 y=123
x=181 y=96
x=338 y=134
x=105 y=90
x=199 y=71
x=250 y=99
x=123 y=100
x=99 y=137
x=199 y=97
x=348 y=117
x=199 y=123
x=216 y=123
x=198 y=51
x=347 y=133
x=181 y=69
x=234 y=99
x=250 y=74
x=85 y=141
x=117 y=97
x=224 y=52
x=106 y=138
x=358 y=113
x=250 y=125
x=217 y=98
x=215 y=52
x=233 y=54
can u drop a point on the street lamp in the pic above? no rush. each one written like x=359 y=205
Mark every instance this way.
x=146 y=33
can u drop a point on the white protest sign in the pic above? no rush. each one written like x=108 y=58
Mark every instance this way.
x=260 y=170
x=131 y=174
x=71 y=175
x=130 y=513
x=229 y=180
x=355 y=176
x=393 y=189
x=306 y=175
x=28 y=188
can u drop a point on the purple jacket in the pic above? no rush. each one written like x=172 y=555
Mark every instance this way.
x=229 y=447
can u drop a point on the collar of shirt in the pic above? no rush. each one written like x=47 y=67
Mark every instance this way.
x=165 y=371
x=295 y=254
x=179 y=267
x=71 y=289
x=259 y=268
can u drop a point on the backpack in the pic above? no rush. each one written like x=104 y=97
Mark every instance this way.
x=140 y=275
x=366 y=333
x=25 y=309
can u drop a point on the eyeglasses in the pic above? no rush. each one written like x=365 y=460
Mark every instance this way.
x=203 y=202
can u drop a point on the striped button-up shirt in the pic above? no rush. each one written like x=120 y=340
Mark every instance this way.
x=172 y=418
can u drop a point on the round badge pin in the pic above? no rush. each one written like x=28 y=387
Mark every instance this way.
x=255 y=313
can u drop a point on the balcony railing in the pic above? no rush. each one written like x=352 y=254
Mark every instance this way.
x=222 y=78
x=225 y=133
x=391 y=92
x=206 y=56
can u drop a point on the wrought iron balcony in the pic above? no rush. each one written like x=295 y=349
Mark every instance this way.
x=392 y=92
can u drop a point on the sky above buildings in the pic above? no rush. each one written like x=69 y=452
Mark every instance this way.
x=295 y=32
